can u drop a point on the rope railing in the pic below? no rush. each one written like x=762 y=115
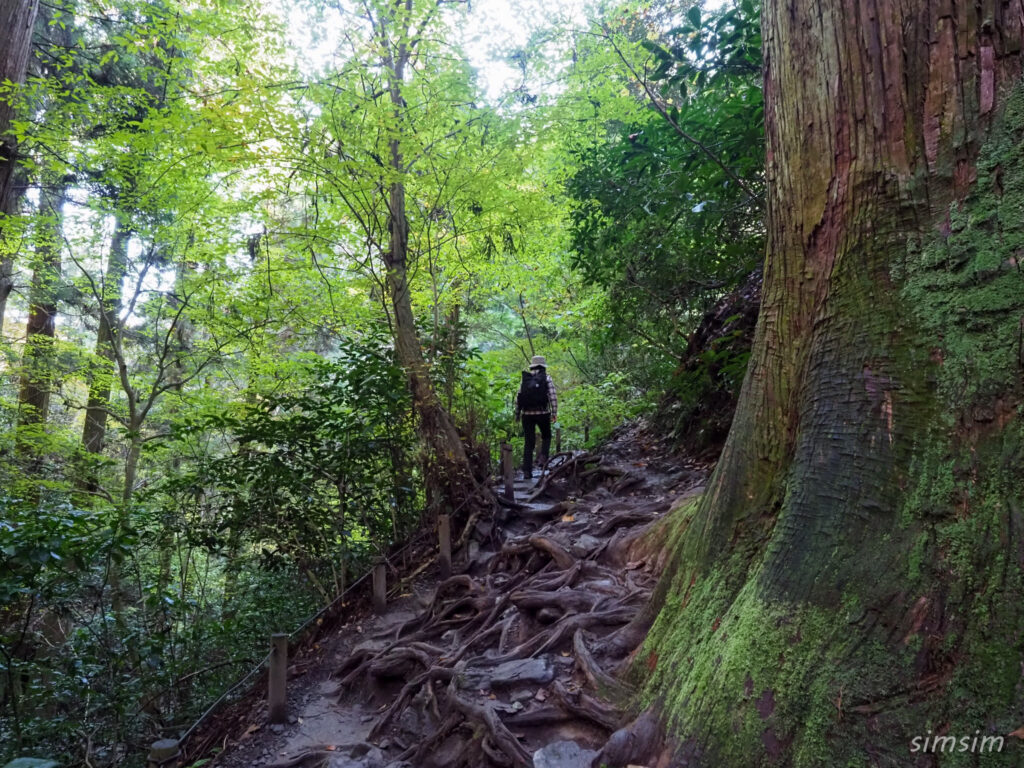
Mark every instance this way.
x=166 y=750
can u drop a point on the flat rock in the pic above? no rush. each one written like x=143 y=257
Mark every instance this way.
x=522 y=672
x=358 y=756
x=585 y=544
x=563 y=754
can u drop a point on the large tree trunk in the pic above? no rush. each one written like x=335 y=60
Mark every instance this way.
x=851 y=578
x=17 y=18
x=38 y=360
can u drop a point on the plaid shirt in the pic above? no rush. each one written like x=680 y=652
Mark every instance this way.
x=552 y=402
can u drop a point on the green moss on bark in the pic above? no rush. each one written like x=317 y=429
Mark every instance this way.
x=964 y=282
x=934 y=644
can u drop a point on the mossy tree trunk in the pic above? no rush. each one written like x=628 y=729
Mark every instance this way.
x=17 y=19
x=851 y=578
x=39 y=358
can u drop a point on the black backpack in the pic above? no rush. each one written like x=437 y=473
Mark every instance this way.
x=533 y=392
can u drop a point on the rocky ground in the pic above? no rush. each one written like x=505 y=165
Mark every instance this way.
x=516 y=659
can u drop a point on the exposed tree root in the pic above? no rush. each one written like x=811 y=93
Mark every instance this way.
x=565 y=469
x=598 y=679
x=499 y=732
x=633 y=744
x=529 y=601
x=558 y=553
x=585 y=707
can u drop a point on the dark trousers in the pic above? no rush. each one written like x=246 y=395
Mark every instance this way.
x=529 y=422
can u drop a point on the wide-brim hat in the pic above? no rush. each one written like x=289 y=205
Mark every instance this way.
x=538 y=361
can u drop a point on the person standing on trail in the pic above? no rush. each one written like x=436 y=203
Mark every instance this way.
x=537 y=404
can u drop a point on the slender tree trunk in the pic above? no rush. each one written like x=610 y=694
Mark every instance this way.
x=131 y=466
x=95 y=429
x=448 y=475
x=183 y=343
x=851 y=579
x=17 y=18
x=449 y=471
x=38 y=360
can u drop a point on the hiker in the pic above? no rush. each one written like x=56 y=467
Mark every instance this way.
x=537 y=403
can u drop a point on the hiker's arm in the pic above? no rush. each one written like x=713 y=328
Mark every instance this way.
x=552 y=399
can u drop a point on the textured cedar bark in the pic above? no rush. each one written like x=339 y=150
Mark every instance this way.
x=875 y=115
x=17 y=18
x=37 y=364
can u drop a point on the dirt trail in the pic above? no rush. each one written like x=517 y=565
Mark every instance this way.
x=513 y=660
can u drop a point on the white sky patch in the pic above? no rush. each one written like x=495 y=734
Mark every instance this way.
x=497 y=28
x=489 y=33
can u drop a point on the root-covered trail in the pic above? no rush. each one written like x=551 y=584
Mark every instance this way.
x=515 y=659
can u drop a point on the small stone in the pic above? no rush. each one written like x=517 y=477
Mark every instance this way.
x=522 y=672
x=293 y=719
x=563 y=754
x=410 y=724
x=277 y=728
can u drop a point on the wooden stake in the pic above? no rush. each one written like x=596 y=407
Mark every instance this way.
x=444 y=541
x=558 y=439
x=508 y=471
x=380 y=587
x=277 y=680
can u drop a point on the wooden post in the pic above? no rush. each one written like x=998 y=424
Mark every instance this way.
x=380 y=587
x=508 y=472
x=277 y=683
x=558 y=439
x=444 y=541
x=162 y=752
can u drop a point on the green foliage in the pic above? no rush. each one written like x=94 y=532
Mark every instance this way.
x=592 y=411
x=227 y=223
x=309 y=476
x=666 y=205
